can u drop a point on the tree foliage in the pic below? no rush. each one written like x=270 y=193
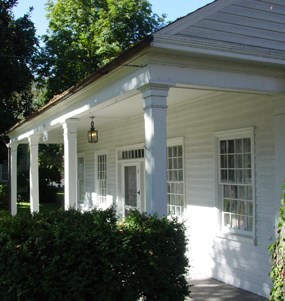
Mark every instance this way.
x=17 y=45
x=277 y=250
x=83 y=35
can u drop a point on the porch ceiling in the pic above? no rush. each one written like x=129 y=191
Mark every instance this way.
x=129 y=107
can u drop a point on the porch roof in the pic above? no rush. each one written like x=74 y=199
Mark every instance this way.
x=183 y=56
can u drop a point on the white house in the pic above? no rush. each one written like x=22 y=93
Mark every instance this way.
x=190 y=121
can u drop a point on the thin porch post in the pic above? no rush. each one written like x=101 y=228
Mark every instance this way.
x=34 y=173
x=70 y=163
x=279 y=126
x=13 y=177
x=155 y=109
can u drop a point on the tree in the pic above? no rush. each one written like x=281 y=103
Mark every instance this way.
x=84 y=35
x=18 y=44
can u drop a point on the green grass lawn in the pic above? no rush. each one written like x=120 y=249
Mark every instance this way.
x=25 y=206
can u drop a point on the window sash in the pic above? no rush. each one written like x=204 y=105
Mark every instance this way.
x=175 y=180
x=236 y=180
x=102 y=178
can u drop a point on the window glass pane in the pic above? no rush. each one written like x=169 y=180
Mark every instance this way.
x=227 y=191
x=223 y=160
x=238 y=159
x=239 y=174
x=227 y=220
x=235 y=221
x=233 y=192
x=224 y=176
x=231 y=161
x=247 y=161
x=231 y=146
x=247 y=176
x=238 y=143
x=180 y=188
x=232 y=178
x=227 y=205
x=249 y=210
x=234 y=206
x=180 y=151
x=241 y=192
x=249 y=193
x=175 y=163
x=246 y=145
x=180 y=163
x=242 y=222
x=223 y=147
x=242 y=207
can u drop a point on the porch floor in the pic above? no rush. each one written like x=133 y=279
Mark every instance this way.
x=208 y=289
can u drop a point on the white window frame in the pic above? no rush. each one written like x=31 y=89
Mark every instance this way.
x=173 y=209
x=101 y=199
x=232 y=135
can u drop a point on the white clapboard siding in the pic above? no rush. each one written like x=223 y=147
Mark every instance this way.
x=242 y=260
x=198 y=121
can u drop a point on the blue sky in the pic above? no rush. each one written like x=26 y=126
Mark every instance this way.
x=173 y=8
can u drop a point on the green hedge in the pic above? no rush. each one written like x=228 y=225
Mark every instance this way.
x=4 y=197
x=277 y=250
x=68 y=255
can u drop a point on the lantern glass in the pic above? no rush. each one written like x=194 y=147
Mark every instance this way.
x=92 y=134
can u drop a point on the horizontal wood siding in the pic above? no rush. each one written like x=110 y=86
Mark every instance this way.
x=119 y=133
x=251 y=23
x=240 y=261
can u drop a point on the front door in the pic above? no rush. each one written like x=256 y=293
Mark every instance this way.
x=131 y=187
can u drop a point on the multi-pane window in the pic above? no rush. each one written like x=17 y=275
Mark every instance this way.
x=102 y=178
x=175 y=182
x=237 y=185
x=81 y=193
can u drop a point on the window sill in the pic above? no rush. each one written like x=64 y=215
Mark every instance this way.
x=238 y=237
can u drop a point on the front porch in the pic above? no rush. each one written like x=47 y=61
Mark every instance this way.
x=208 y=289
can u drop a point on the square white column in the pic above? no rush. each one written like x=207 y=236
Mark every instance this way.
x=155 y=109
x=34 y=173
x=13 y=177
x=70 y=163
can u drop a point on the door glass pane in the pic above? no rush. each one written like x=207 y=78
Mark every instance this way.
x=130 y=186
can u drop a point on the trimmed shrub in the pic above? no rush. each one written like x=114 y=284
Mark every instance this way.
x=277 y=250
x=4 y=197
x=69 y=255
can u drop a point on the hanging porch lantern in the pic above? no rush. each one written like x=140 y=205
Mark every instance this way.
x=93 y=133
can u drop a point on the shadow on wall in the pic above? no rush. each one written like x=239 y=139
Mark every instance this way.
x=241 y=263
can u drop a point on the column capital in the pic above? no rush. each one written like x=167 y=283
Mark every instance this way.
x=155 y=96
x=34 y=139
x=154 y=90
x=13 y=146
x=70 y=125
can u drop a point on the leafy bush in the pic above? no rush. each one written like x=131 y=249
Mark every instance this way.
x=4 y=197
x=277 y=250
x=69 y=255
